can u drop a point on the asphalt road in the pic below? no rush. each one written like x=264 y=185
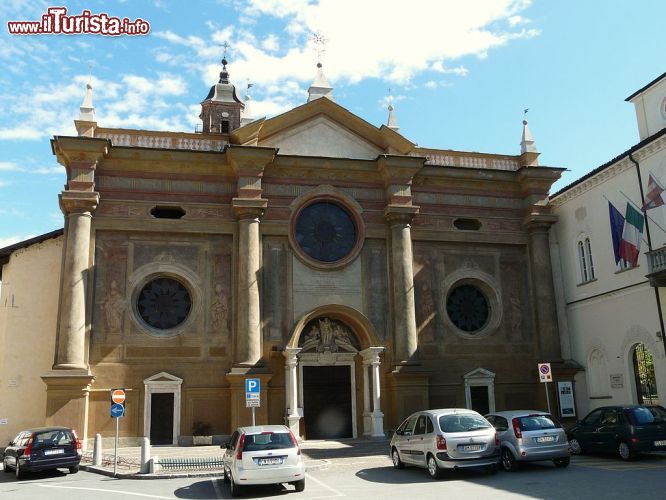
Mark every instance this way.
x=372 y=477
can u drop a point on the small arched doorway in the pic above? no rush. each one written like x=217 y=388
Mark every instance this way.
x=646 y=382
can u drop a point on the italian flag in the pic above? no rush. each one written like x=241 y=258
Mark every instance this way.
x=631 y=236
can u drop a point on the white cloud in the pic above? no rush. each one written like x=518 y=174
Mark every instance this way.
x=8 y=166
x=57 y=170
x=27 y=133
x=430 y=84
x=6 y=241
x=271 y=43
x=4 y=183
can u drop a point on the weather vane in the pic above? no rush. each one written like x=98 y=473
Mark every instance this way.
x=224 y=54
x=319 y=41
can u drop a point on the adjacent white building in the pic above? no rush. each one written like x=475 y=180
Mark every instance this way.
x=610 y=312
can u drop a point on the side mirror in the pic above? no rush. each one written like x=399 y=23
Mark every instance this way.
x=11 y=443
x=407 y=433
x=225 y=445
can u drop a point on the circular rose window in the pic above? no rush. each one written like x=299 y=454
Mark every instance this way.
x=164 y=303
x=467 y=308
x=325 y=232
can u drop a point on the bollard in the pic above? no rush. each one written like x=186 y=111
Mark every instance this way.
x=97 y=450
x=145 y=455
x=153 y=465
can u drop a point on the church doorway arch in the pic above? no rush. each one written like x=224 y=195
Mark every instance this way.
x=329 y=348
x=645 y=380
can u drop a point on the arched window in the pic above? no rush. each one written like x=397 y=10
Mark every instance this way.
x=597 y=374
x=585 y=263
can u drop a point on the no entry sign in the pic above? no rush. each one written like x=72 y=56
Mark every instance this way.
x=118 y=396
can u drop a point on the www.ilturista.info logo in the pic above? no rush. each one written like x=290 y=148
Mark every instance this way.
x=57 y=22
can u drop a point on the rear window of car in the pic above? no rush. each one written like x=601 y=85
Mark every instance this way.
x=56 y=437
x=537 y=423
x=462 y=423
x=267 y=441
x=646 y=415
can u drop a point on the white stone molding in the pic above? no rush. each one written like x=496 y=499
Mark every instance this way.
x=371 y=360
x=291 y=388
x=162 y=382
x=480 y=378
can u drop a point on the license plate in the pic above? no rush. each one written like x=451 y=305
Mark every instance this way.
x=58 y=451
x=472 y=447
x=545 y=439
x=270 y=461
x=660 y=443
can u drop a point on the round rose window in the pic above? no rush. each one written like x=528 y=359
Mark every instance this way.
x=467 y=308
x=325 y=232
x=164 y=303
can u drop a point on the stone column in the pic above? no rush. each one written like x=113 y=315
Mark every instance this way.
x=371 y=360
x=291 y=362
x=402 y=273
x=71 y=349
x=248 y=324
x=545 y=306
x=367 y=414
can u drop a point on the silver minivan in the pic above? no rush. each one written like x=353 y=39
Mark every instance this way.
x=528 y=436
x=450 y=438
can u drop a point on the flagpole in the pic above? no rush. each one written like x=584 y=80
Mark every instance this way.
x=649 y=242
x=644 y=213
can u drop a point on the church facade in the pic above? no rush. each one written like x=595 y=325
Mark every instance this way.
x=358 y=276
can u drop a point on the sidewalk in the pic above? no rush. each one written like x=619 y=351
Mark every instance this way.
x=317 y=454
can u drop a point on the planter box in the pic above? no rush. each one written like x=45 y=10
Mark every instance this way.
x=202 y=440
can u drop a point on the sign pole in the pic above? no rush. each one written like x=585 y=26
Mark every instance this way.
x=253 y=420
x=547 y=397
x=115 y=450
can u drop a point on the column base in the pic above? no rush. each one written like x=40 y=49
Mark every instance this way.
x=378 y=425
x=367 y=424
x=293 y=422
x=67 y=394
x=408 y=391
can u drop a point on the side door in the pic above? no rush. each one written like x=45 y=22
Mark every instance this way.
x=229 y=451
x=404 y=443
x=607 y=430
x=12 y=451
x=586 y=430
x=501 y=426
x=420 y=440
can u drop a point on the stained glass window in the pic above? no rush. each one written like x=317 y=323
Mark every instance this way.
x=325 y=231
x=164 y=303
x=467 y=308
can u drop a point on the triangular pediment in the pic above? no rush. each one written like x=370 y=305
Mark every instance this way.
x=322 y=128
x=479 y=373
x=163 y=377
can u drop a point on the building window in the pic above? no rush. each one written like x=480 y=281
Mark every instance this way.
x=325 y=231
x=225 y=127
x=467 y=308
x=585 y=262
x=164 y=303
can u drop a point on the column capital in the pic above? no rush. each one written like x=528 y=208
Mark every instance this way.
x=399 y=214
x=249 y=160
x=371 y=355
x=290 y=354
x=539 y=222
x=245 y=208
x=399 y=169
x=78 y=202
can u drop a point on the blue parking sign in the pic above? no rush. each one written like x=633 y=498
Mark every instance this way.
x=252 y=385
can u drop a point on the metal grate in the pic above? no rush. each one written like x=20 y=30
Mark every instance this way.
x=199 y=463
x=646 y=383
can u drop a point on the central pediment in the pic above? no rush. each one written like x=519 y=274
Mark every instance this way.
x=325 y=129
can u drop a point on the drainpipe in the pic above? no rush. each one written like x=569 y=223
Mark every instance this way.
x=647 y=232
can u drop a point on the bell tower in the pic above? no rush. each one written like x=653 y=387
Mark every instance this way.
x=221 y=109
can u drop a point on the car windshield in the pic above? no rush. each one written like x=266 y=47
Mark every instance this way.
x=647 y=415
x=267 y=441
x=56 y=437
x=462 y=422
x=537 y=423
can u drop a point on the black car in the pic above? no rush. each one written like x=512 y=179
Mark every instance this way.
x=41 y=449
x=627 y=430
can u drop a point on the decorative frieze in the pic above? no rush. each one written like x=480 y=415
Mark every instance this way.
x=163 y=142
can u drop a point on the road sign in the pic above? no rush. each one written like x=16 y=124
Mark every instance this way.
x=252 y=403
x=117 y=410
x=118 y=396
x=545 y=375
x=252 y=385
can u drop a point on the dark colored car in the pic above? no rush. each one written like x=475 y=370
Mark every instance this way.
x=41 y=449
x=628 y=430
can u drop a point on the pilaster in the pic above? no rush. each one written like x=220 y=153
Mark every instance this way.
x=240 y=414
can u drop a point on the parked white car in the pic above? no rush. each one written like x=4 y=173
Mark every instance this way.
x=263 y=454
x=451 y=438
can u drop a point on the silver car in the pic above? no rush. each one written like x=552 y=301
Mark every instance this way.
x=264 y=454
x=445 y=439
x=528 y=436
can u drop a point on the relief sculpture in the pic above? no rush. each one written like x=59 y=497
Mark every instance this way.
x=218 y=309
x=326 y=335
x=113 y=306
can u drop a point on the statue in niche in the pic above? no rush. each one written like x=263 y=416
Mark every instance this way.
x=113 y=306
x=218 y=309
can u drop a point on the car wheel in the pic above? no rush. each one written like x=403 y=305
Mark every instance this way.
x=5 y=467
x=74 y=470
x=235 y=488
x=575 y=447
x=395 y=457
x=625 y=452
x=509 y=462
x=561 y=462
x=433 y=469
x=300 y=485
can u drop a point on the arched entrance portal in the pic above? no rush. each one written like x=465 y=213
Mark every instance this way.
x=646 y=382
x=329 y=347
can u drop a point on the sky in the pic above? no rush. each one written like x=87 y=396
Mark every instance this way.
x=459 y=73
